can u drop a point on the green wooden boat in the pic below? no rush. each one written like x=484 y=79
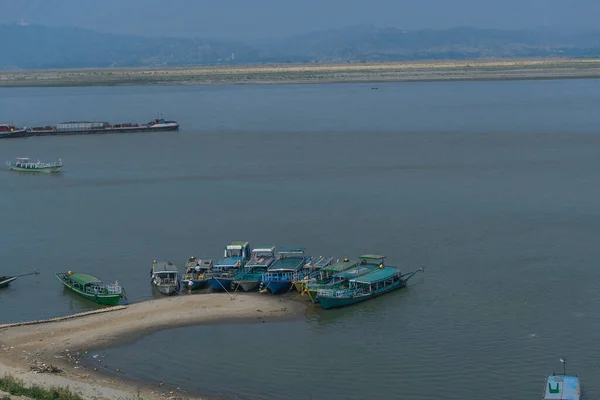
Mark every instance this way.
x=92 y=288
x=347 y=270
x=375 y=283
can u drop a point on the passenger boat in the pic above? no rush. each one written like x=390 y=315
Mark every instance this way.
x=250 y=276
x=235 y=257
x=280 y=275
x=372 y=284
x=325 y=277
x=562 y=387
x=310 y=270
x=165 y=278
x=197 y=272
x=23 y=164
x=368 y=263
x=92 y=288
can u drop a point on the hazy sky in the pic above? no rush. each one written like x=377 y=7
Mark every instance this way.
x=263 y=18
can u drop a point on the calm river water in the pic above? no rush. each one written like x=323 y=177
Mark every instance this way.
x=492 y=186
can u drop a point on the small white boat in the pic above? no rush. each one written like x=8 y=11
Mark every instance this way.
x=23 y=164
x=165 y=278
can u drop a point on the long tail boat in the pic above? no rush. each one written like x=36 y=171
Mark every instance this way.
x=323 y=277
x=375 y=283
x=6 y=280
x=249 y=278
x=347 y=270
x=92 y=288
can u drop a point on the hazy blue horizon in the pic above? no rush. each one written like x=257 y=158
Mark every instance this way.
x=238 y=19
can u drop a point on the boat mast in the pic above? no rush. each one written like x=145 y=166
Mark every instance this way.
x=564 y=363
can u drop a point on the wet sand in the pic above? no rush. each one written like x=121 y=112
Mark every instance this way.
x=54 y=342
x=510 y=69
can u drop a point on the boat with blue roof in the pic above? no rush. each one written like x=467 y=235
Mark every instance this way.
x=281 y=274
x=338 y=276
x=260 y=261
x=364 y=287
x=562 y=387
x=235 y=256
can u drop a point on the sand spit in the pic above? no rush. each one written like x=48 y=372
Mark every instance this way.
x=312 y=73
x=24 y=346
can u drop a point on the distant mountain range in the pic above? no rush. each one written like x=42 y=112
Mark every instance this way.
x=41 y=47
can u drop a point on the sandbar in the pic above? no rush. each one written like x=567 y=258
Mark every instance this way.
x=400 y=71
x=52 y=342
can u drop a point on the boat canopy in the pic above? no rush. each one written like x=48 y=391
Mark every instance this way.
x=340 y=266
x=83 y=279
x=378 y=275
x=353 y=273
x=372 y=257
x=562 y=387
x=264 y=249
x=292 y=250
x=237 y=245
x=164 y=267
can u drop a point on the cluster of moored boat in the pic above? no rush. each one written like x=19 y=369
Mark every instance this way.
x=331 y=283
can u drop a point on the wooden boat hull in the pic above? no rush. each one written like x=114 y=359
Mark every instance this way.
x=6 y=280
x=104 y=299
x=300 y=286
x=220 y=284
x=312 y=295
x=42 y=170
x=248 y=286
x=328 y=302
x=167 y=290
x=196 y=283
x=275 y=286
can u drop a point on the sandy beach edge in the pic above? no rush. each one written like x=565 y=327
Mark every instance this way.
x=404 y=71
x=61 y=343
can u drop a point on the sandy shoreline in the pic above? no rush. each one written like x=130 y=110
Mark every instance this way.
x=50 y=343
x=439 y=70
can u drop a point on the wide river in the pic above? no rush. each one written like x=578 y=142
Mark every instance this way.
x=491 y=186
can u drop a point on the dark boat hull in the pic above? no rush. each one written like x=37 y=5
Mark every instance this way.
x=336 y=302
x=104 y=131
x=6 y=280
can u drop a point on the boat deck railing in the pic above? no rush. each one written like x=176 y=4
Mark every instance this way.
x=341 y=293
x=193 y=276
x=279 y=276
x=109 y=288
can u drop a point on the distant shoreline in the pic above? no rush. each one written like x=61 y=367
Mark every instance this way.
x=62 y=343
x=409 y=71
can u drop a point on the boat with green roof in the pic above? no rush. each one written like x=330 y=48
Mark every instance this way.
x=249 y=278
x=367 y=286
x=311 y=269
x=92 y=288
x=338 y=277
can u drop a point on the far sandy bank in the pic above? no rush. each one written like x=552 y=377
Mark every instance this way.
x=24 y=346
x=405 y=71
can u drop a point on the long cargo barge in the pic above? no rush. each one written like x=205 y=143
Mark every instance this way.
x=86 y=128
